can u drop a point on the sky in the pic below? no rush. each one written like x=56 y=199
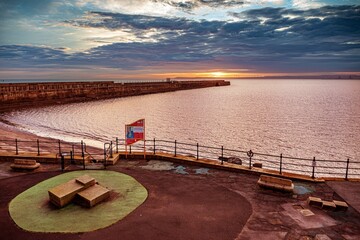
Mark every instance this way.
x=157 y=39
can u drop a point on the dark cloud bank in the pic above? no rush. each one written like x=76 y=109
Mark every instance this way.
x=268 y=40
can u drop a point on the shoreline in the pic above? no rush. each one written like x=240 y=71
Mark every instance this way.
x=10 y=132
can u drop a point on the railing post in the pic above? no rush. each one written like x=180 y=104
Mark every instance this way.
x=197 y=151
x=222 y=155
x=175 y=148
x=82 y=148
x=154 y=146
x=72 y=161
x=280 y=163
x=59 y=146
x=117 y=145
x=347 y=169
x=313 y=168
x=105 y=151
x=38 y=147
x=62 y=162
x=105 y=158
x=111 y=149
x=16 y=147
x=250 y=155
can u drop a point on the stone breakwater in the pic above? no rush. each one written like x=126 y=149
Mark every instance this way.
x=13 y=95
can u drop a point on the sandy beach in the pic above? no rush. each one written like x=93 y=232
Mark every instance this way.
x=10 y=133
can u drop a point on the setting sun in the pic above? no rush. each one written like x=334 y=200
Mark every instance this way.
x=218 y=74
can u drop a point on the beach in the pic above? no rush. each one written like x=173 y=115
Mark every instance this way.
x=10 y=133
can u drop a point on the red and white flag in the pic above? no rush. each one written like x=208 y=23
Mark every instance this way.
x=135 y=132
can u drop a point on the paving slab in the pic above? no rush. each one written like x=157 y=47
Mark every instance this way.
x=349 y=191
x=317 y=220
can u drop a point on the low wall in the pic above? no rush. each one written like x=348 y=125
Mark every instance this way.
x=23 y=94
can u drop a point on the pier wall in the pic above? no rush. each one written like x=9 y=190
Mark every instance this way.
x=22 y=94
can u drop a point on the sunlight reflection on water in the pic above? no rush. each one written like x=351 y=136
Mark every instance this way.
x=299 y=118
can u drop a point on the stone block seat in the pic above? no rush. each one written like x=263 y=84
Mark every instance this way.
x=276 y=183
x=334 y=205
x=63 y=194
x=92 y=195
x=340 y=205
x=24 y=164
x=328 y=205
x=315 y=202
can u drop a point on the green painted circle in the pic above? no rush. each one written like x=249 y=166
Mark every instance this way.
x=31 y=210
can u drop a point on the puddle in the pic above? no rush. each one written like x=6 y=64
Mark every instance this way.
x=159 y=166
x=202 y=171
x=302 y=189
x=181 y=170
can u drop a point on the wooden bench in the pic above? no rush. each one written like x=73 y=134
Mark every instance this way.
x=276 y=183
x=24 y=164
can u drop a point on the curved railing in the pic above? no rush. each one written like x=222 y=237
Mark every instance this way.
x=314 y=167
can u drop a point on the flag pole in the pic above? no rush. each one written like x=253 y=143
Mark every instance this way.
x=144 y=140
x=125 y=143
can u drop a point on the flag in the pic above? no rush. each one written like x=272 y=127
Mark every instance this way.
x=135 y=132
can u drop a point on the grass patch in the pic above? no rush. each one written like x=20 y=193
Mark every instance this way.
x=32 y=211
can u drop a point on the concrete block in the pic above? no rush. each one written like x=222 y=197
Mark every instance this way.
x=340 y=205
x=315 y=202
x=63 y=194
x=93 y=195
x=257 y=165
x=86 y=180
x=327 y=205
x=322 y=237
x=276 y=183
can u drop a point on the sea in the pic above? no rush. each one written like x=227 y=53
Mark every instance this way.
x=297 y=118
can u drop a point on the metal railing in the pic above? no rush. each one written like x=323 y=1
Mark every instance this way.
x=313 y=167
x=280 y=163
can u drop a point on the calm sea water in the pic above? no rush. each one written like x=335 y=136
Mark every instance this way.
x=299 y=118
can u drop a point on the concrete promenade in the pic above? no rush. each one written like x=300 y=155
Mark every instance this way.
x=275 y=215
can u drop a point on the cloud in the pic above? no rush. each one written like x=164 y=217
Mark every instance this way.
x=188 y=5
x=266 y=40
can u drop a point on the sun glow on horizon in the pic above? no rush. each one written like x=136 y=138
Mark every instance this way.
x=218 y=74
